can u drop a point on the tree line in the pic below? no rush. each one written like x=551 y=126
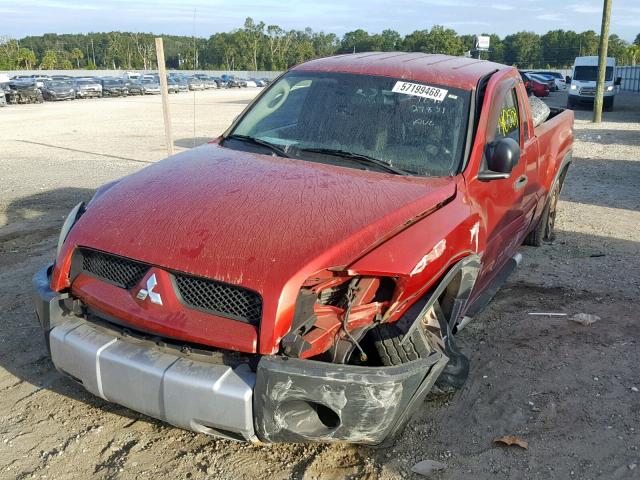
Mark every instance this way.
x=257 y=46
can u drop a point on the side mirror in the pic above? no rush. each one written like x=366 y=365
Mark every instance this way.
x=618 y=81
x=502 y=156
x=567 y=79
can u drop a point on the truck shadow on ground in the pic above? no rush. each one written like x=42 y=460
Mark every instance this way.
x=45 y=207
x=191 y=142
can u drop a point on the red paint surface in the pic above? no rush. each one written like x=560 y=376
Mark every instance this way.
x=269 y=223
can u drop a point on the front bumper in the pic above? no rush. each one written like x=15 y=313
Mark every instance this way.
x=280 y=400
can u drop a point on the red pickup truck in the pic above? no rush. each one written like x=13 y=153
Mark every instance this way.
x=302 y=277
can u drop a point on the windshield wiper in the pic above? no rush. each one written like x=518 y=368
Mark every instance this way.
x=358 y=157
x=256 y=141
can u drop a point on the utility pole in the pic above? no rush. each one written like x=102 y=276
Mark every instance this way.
x=162 y=73
x=602 y=61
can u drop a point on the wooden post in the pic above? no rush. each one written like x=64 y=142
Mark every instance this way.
x=162 y=72
x=602 y=61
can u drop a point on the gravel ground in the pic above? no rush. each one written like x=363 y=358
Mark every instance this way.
x=569 y=390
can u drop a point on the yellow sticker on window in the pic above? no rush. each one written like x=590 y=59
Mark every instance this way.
x=508 y=121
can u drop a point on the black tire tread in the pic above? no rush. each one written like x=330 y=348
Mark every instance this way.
x=388 y=340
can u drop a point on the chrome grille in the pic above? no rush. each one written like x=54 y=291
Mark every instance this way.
x=587 y=91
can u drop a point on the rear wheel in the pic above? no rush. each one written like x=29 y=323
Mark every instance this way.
x=545 y=230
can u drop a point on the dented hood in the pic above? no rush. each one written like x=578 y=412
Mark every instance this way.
x=253 y=220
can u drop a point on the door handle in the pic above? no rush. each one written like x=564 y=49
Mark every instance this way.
x=520 y=182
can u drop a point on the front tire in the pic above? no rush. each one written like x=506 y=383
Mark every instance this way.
x=388 y=341
x=608 y=104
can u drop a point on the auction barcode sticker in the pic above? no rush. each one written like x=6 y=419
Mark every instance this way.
x=418 y=90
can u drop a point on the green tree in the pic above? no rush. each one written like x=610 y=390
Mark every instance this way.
x=49 y=60
x=437 y=40
x=388 y=41
x=26 y=58
x=8 y=53
x=65 y=64
x=356 y=41
x=637 y=40
x=523 y=49
x=589 y=42
x=617 y=48
x=77 y=55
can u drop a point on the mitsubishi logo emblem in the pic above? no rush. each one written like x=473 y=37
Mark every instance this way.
x=154 y=297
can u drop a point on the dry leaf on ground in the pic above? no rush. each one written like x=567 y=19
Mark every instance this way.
x=512 y=440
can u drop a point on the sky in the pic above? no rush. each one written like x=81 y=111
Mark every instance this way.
x=21 y=18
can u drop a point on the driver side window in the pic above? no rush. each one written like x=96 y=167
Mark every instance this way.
x=509 y=118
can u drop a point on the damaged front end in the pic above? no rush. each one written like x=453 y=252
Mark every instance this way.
x=327 y=384
x=330 y=382
x=304 y=400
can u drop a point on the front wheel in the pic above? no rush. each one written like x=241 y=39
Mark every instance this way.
x=545 y=230
x=389 y=341
x=608 y=104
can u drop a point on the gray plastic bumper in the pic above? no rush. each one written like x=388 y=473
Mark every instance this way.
x=209 y=398
x=285 y=400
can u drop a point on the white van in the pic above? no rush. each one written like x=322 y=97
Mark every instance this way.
x=583 y=82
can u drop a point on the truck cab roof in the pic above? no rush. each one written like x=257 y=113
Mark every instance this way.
x=459 y=72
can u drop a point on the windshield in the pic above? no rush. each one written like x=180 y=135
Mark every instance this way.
x=411 y=126
x=148 y=80
x=590 y=74
x=57 y=85
x=112 y=82
x=86 y=82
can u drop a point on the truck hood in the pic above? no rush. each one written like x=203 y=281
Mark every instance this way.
x=262 y=222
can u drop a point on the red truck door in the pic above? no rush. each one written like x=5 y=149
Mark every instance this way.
x=500 y=201
x=530 y=156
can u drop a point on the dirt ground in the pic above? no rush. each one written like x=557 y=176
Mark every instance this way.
x=570 y=390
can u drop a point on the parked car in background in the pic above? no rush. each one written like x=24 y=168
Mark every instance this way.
x=207 y=81
x=533 y=86
x=58 y=90
x=561 y=83
x=23 y=90
x=232 y=82
x=40 y=79
x=113 y=87
x=548 y=80
x=195 y=83
x=133 y=76
x=3 y=98
x=172 y=85
x=134 y=87
x=249 y=83
x=527 y=82
x=88 y=88
x=183 y=85
x=220 y=82
x=150 y=86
